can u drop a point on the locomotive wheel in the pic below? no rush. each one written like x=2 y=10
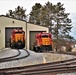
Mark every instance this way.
x=36 y=49
x=11 y=46
x=46 y=48
x=19 y=44
x=49 y=48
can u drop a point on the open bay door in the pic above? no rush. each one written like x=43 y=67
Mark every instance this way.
x=32 y=38
x=8 y=31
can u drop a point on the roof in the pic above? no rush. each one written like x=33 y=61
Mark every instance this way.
x=20 y=20
x=12 y=18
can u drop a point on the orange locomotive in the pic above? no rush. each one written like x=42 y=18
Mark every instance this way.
x=17 y=39
x=43 y=42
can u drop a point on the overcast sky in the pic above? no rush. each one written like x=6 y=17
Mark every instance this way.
x=69 y=5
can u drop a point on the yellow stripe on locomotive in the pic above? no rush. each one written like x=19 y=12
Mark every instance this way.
x=18 y=39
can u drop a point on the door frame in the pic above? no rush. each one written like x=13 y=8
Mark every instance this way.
x=6 y=33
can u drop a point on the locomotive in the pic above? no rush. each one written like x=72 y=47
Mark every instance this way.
x=17 y=39
x=43 y=42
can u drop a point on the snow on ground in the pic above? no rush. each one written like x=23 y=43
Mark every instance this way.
x=52 y=57
x=34 y=58
x=8 y=53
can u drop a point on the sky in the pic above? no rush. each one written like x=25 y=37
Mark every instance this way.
x=69 y=5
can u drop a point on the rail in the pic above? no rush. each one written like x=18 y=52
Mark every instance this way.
x=41 y=69
x=15 y=57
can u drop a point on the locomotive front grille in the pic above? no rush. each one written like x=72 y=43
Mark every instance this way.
x=45 y=41
x=18 y=37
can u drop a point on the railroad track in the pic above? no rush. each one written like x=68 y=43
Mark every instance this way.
x=54 y=67
x=16 y=57
x=41 y=69
x=11 y=56
x=50 y=70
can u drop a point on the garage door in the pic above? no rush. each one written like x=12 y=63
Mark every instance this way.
x=8 y=35
x=32 y=37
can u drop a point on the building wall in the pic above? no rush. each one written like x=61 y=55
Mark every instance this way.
x=32 y=27
x=9 y=22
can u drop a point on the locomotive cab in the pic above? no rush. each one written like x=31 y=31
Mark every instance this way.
x=17 y=39
x=43 y=42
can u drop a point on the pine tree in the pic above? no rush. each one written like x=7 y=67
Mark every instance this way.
x=55 y=18
x=35 y=13
x=18 y=13
x=52 y=16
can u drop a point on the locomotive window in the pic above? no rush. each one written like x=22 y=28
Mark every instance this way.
x=44 y=36
x=18 y=32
